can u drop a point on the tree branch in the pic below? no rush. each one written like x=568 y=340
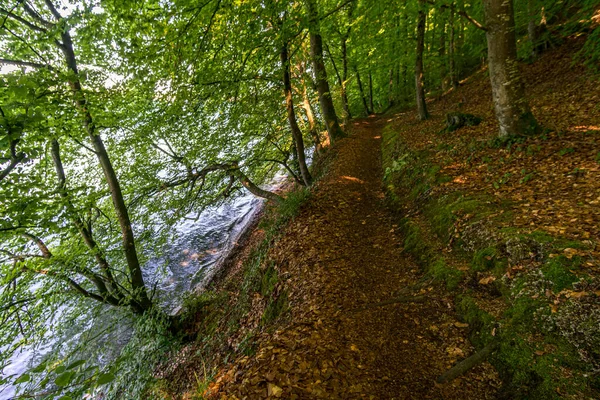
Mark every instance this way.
x=35 y=15
x=20 y=63
x=462 y=14
x=22 y=20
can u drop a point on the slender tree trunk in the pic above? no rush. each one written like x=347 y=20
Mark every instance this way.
x=442 y=54
x=135 y=272
x=405 y=80
x=452 y=51
x=391 y=88
x=334 y=130
x=511 y=105
x=113 y=296
x=291 y=114
x=312 y=125
x=535 y=29
x=371 y=92
x=362 y=92
x=419 y=85
x=347 y=115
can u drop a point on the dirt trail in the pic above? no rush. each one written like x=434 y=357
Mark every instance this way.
x=339 y=258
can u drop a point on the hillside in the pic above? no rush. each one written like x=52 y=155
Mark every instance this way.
x=477 y=241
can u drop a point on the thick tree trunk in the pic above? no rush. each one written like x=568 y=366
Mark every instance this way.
x=511 y=106
x=291 y=114
x=419 y=72
x=135 y=272
x=362 y=92
x=334 y=130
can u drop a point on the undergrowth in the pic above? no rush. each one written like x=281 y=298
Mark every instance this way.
x=547 y=329
x=216 y=315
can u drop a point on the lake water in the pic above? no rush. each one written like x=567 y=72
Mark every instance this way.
x=201 y=245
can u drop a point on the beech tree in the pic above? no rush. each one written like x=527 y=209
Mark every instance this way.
x=511 y=106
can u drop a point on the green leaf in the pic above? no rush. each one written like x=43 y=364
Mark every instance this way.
x=39 y=368
x=60 y=369
x=64 y=379
x=65 y=397
x=23 y=378
x=75 y=364
x=105 y=378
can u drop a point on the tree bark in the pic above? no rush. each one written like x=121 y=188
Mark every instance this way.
x=291 y=114
x=511 y=106
x=362 y=92
x=419 y=72
x=345 y=103
x=371 y=92
x=114 y=295
x=442 y=52
x=452 y=51
x=334 y=130
x=135 y=272
x=310 y=116
x=253 y=188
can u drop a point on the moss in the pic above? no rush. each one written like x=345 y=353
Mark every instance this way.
x=440 y=270
x=480 y=322
x=559 y=274
x=533 y=360
x=486 y=259
x=413 y=242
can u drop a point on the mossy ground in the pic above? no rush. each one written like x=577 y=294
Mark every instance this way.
x=478 y=214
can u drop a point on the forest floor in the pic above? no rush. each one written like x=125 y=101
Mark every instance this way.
x=343 y=262
x=356 y=299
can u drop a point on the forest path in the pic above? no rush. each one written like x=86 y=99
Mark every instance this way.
x=338 y=259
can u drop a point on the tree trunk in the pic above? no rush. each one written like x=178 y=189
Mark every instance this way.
x=511 y=106
x=291 y=114
x=419 y=85
x=347 y=115
x=113 y=296
x=135 y=272
x=371 y=92
x=362 y=92
x=334 y=130
x=452 y=51
x=310 y=116
x=442 y=53
x=391 y=88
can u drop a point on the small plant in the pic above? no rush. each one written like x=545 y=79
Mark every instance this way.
x=505 y=178
x=526 y=176
x=532 y=149
x=565 y=151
